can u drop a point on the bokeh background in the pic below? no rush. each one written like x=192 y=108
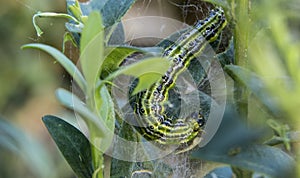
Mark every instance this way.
x=28 y=80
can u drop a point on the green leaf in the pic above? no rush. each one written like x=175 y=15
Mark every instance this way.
x=32 y=152
x=244 y=173
x=227 y=57
x=148 y=71
x=63 y=60
x=115 y=55
x=73 y=145
x=113 y=11
x=121 y=168
x=263 y=159
x=254 y=84
x=145 y=81
x=91 y=30
x=105 y=110
x=91 y=49
x=75 y=10
x=72 y=102
x=234 y=144
x=115 y=35
x=224 y=172
x=88 y=7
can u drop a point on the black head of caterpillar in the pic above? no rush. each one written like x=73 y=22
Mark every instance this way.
x=155 y=123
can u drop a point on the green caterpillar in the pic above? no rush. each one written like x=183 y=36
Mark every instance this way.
x=155 y=124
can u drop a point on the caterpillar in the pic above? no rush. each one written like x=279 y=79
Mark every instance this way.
x=155 y=123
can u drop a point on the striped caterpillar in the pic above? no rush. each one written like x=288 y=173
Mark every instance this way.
x=155 y=124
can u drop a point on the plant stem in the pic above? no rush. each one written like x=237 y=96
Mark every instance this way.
x=241 y=34
x=97 y=155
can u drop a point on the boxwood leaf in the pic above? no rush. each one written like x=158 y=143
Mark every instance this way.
x=74 y=146
x=234 y=144
x=91 y=49
x=115 y=55
x=121 y=168
x=254 y=84
x=224 y=172
x=258 y=158
x=72 y=102
x=148 y=71
x=69 y=66
x=105 y=110
x=115 y=35
x=111 y=10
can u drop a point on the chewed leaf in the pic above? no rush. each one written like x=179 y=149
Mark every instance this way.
x=73 y=145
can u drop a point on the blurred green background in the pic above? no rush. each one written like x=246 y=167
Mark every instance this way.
x=28 y=80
